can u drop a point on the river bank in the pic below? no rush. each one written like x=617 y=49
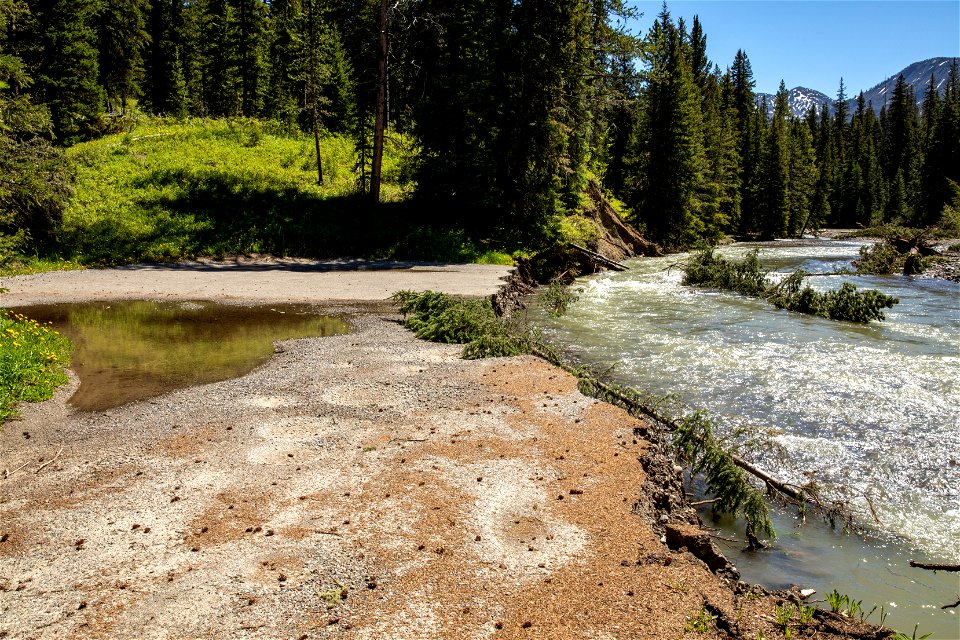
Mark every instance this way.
x=366 y=485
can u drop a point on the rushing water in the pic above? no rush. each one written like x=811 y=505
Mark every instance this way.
x=869 y=412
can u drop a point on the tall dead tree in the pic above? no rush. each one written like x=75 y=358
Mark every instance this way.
x=380 y=114
x=313 y=43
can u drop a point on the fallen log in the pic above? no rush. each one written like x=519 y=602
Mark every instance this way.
x=935 y=567
x=616 y=266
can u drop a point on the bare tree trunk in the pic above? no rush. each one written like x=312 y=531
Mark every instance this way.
x=312 y=72
x=380 y=117
x=316 y=127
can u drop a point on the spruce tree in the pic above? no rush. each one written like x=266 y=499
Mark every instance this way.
x=123 y=38
x=803 y=177
x=165 y=91
x=773 y=201
x=67 y=80
x=671 y=141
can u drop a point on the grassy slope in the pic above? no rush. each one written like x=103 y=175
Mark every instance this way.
x=173 y=190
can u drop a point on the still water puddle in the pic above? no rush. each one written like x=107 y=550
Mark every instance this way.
x=133 y=350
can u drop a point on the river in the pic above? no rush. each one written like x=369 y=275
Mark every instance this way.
x=869 y=412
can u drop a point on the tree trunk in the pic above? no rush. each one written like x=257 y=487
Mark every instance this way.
x=312 y=73
x=380 y=117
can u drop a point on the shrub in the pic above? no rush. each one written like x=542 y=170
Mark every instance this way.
x=439 y=317
x=707 y=269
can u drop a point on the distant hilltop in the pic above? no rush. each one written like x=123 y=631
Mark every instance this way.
x=916 y=75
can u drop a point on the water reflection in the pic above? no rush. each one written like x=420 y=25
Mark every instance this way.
x=132 y=350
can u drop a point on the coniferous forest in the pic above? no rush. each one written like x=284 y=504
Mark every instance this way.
x=509 y=109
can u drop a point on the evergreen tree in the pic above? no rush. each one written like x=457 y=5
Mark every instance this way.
x=165 y=91
x=670 y=146
x=34 y=176
x=803 y=178
x=284 y=62
x=123 y=38
x=68 y=73
x=900 y=162
x=773 y=201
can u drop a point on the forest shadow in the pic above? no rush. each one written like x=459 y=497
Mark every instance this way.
x=216 y=212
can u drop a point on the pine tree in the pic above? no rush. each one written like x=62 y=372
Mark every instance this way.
x=900 y=162
x=284 y=62
x=670 y=146
x=774 y=203
x=123 y=38
x=165 y=90
x=68 y=73
x=803 y=177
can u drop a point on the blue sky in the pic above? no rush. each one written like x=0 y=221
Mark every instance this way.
x=813 y=43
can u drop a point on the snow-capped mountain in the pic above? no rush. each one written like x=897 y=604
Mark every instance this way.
x=916 y=75
x=800 y=100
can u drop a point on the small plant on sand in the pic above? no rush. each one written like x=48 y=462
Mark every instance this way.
x=703 y=622
x=838 y=601
x=805 y=614
x=782 y=615
x=334 y=596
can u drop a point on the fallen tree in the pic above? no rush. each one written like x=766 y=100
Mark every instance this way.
x=707 y=269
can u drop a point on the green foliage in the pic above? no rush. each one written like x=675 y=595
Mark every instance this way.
x=33 y=358
x=902 y=636
x=838 y=601
x=703 y=622
x=439 y=317
x=782 y=615
x=170 y=190
x=706 y=269
x=20 y=265
x=881 y=258
x=695 y=442
x=34 y=191
x=557 y=297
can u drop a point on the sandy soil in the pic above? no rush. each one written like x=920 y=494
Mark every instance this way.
x=360 y=486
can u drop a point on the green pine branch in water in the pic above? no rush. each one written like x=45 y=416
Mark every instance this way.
x=706 y=269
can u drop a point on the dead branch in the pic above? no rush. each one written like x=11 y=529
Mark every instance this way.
x=700 y=503
x=7 y=473
x=50 y=461
x=951 y=606
x=935 y=567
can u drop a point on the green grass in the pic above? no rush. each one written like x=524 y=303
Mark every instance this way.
x=171 y=190
x=32 y=362
x=25 y=265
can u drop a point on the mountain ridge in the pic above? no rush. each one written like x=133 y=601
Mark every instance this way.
x=916 y=75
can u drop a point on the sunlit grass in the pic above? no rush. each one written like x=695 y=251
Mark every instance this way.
x=25 y=265
x=33 y=359
x=170 y=190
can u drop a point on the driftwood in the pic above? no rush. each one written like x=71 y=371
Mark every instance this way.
x=616 y=266
x=7 y=473
x=935 y=567
x=50 y=461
